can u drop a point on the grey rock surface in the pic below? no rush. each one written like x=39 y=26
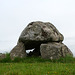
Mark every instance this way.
x=38 y=32
x=2 y=56
x=44 y=38
x=54 y=50
x=18 y=51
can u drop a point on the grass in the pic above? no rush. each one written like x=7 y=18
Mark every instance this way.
x=46 y=68
x=67 y=59
x=37 y=66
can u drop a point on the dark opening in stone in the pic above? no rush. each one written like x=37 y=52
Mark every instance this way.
x=33 y=52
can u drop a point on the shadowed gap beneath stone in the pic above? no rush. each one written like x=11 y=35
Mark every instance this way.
x=34 y=44
x=33 y=52
x=33 y=47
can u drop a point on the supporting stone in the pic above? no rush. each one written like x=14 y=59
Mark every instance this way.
x=18 y=51
x=54 y=50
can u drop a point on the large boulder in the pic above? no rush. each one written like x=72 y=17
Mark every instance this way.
x=44 y=38
x=54 y=50
x=40 y=32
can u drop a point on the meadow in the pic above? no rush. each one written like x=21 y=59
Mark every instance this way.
x=37 y=66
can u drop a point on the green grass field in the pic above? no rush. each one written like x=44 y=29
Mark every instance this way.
x=45 y=68
x=37 y=66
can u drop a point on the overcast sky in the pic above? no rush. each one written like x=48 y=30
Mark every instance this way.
x=16 y=14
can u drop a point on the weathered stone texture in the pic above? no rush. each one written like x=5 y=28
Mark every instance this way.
x=44 y=38
x=40 y=31
x=54 y=50
x=18 y=51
